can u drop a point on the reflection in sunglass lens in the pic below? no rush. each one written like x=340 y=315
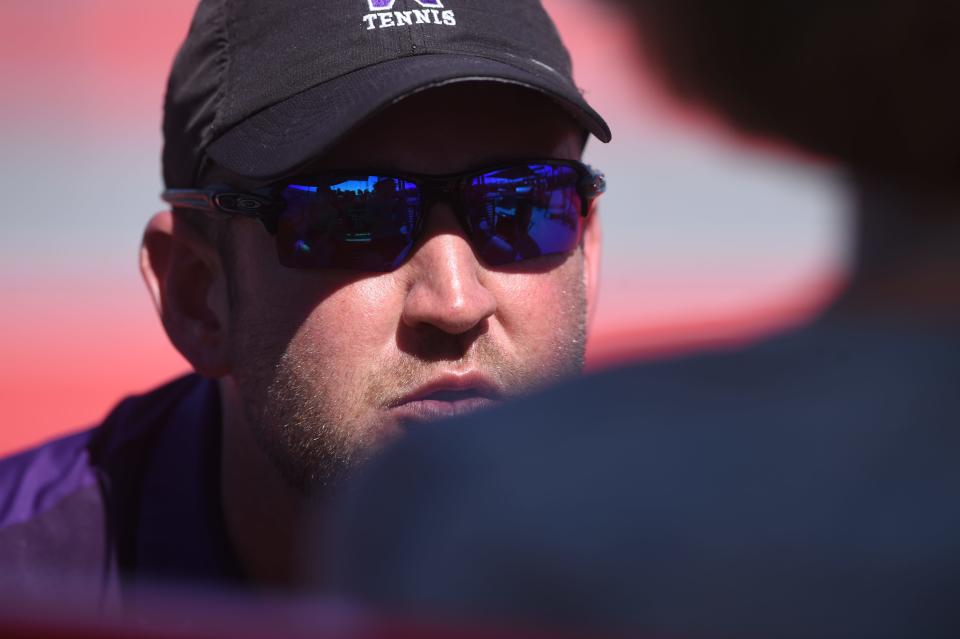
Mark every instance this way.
x=371 y=223
x=524 y=212
x=366 y=223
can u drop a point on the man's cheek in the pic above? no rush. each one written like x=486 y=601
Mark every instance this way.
x=542 y=336
x=341 y=345
x=547 y=299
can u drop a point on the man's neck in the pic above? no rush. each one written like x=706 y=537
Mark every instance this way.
x=908 y=261
x=263 y=514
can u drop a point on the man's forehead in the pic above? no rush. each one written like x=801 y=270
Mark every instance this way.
x=449 y=129
x=456 y=128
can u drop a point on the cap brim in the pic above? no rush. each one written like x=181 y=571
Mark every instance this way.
x=284 y=136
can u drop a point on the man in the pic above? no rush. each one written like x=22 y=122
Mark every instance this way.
x=337 y=175
x=804 y=487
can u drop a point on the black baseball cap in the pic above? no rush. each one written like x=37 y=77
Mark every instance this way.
x=262 y=86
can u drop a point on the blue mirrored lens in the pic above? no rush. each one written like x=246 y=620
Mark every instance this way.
x=367 y=223
x=524 y=212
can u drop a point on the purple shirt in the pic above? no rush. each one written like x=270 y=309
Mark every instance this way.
x=135 y=500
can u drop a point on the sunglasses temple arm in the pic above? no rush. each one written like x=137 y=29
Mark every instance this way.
x=190 y=199
x=210 y=201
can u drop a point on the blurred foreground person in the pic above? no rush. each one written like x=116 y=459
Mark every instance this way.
x=345 y=256
x=807 y=486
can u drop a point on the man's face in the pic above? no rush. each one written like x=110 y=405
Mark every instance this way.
x=329 y=363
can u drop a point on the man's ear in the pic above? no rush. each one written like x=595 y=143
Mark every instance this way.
x=185 y=277
x=591 y=261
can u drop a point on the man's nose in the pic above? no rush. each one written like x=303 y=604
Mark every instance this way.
x=447 y=288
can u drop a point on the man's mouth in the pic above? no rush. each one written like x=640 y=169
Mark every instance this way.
x=446 y=396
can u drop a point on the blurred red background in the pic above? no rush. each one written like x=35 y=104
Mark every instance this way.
x=708 y=240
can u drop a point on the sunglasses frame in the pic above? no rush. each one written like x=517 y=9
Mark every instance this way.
x=267 y=204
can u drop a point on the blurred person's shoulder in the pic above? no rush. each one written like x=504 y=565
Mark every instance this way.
x=836 y=440
x=823 y=405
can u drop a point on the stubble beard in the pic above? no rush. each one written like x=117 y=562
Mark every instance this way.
x=306 y=420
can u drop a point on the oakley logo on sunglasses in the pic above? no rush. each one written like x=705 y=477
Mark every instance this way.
x=384 y=17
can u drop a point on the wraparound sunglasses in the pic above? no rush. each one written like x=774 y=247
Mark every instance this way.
x=364 y=220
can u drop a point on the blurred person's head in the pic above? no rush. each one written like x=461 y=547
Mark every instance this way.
x=353 y=294
x=870 y=84
x=866 y=84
